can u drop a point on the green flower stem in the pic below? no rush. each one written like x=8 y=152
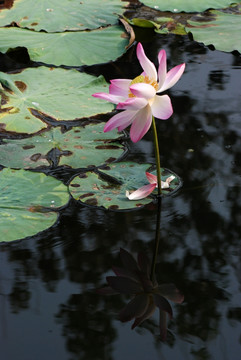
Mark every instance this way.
x=157 y=239
x=157 y=155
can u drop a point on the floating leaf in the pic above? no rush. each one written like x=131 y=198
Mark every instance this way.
x=143 y=23
x=80 y=147
x=27 y=201
x=107 y=188
x=67 y=48
x=187 y=5
x=162 y=25
x=220 y=29
x=61 y=15
x=171 y=25
x=58 y=93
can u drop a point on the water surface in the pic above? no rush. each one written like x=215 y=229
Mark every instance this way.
x=48 y=305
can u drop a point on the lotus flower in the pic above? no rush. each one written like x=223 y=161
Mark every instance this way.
x=140 y=97
x=134 y=279
x=146 y=190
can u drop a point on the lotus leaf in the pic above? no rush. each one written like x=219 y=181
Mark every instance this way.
x=67 y=48
x=187 y=5
x=58 y=93
x=80 y=147
x=163 y=25
x=28 y=203
x=222 y=31
x=61 y=15
x=107 y=188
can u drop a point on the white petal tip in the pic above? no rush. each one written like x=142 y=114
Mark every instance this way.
x=166 y=184
x=128 y=195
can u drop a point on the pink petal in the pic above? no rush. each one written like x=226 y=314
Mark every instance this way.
x=120 y=87
x=125 y=273
x=162 y=304
x=132 y=104
x=125 y=124
x=124 y=285
x=120 y=120
x=107 y=290
x=143 y=90
x=172 y=77
x=135 y=308
x=128 y=261
x=146 y=64
x=144 y=263
x=151 y=178
x=162 y=69
x=164 y=184
x=171 y=293
x=162 y=107
x=141 y=193
x=141 y=124
x=108 y=97
x=150 y=310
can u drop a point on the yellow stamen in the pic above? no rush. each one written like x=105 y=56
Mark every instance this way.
x=151 y=82
x=143 y=79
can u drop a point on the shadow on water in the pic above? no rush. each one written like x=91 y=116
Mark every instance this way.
x=48 y=282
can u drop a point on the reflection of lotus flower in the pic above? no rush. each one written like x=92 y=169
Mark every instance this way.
x=140 y=97
x=146 y=190
x=134 y=279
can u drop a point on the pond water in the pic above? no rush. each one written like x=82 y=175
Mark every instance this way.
x=48 y=305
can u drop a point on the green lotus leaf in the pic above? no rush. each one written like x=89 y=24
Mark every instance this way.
x=177 y=6
x=174 y=25
x=163 y=25
x=27 y=201
x=58 y=93
x=107 y=188
x=67 y=48
x=222 y=30
x=143 y=23
x=61 y=15
x=80 y=147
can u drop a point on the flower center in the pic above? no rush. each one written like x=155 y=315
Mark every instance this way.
x=143 y=79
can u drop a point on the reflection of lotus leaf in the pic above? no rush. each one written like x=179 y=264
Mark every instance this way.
x=67 y=48
x=108 y=187
x=79 y=147
x=26 y=203
x=187 y=5
x=61 y=15
x=222 y=31
x=58 y=93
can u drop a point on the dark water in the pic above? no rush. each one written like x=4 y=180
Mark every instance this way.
x=48 y=305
